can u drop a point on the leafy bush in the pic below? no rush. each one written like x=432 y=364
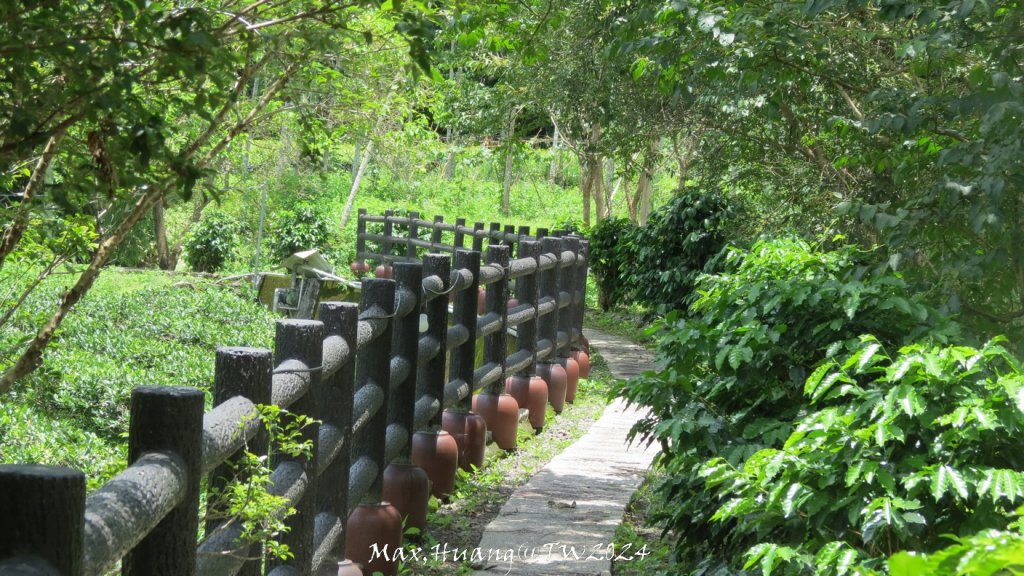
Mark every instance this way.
x=676 y=245
x=899 y=452
x=302 y=227
x=734 y=370
x=210 y=243
x=609 y=263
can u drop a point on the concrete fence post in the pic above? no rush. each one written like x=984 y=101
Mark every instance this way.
x=495 y=344
x=42 y=510
x=463 y=357
x=168 y=419
x=245 y=372
x=301 y=340
x=340 y=319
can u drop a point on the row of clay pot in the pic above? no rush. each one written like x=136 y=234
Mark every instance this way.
x=437 y=454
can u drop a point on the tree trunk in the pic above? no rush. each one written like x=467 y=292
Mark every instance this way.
x=357 y=157
x=555 y=170
x=646 y=183
x=160 y=232
x=506 y=188
x=586 y=182
x=597 y=166
x=14 y=231
x=360 y=171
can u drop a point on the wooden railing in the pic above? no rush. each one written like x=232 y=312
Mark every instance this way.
x=369 y=375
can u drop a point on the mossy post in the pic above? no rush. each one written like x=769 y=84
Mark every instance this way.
x=460 y=236
x=301 y=341
x=463 y=356
x=361 y=235
x=404 y=353
x=168 y=419
x=435 y=233
x=43 y=511
x=549 y=286
x=430 y=380
x=373 y=379
x=478 y=237
x=341 y=320
x=414 y=234
x=497 y=298
x=245 y=372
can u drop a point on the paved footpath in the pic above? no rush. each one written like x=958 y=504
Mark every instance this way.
x=563 y=520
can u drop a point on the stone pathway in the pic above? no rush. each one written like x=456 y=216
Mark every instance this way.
x=563 y=520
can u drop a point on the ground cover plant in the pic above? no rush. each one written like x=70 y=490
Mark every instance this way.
x=135 y=329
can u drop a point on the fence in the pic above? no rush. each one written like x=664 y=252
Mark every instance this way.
x=370 y=375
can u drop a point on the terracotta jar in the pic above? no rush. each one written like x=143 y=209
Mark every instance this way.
x=344 y=568
x=557 y=381
x=371 y=524
x=582 y=357
x=407 y=486
x=437 y=453
x=470 y=433
x=531 y=393
x=512 y=303
x=501 y=413
x=481 y=301
x=572 y=378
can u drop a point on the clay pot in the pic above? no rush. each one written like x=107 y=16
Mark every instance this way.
x=512 y=303
x=582 y=357
x=481 y=301
x=344 y=568
x=371 y=524
x=470 y=433
x=407 y=487
x=572 y=378
x=555 y=378
x=531 y=393
x=437 y=454
x=501 y=412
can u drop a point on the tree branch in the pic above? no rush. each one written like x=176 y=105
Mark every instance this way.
x=16 y=230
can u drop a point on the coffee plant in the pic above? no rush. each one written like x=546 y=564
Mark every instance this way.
x=733 y=371
x=610 y=242
x=209 y=245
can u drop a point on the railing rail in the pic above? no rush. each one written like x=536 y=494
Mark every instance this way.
x=368 y=376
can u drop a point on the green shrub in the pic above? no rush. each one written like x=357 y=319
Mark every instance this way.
x=732 y=382
x=897 y=452
x=674 y=247
x=609 y=241
x=302 y=227
x=210 y=243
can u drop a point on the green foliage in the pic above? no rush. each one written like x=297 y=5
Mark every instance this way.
x=245 y=499
x=134 y=329
x=906 y=114
x=302 y=227
x=210 y=243
x=896 y=452
x=987 y=553
x=732 y=382
x=675 y=246
x=610 y=263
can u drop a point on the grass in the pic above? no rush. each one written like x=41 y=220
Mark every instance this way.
x=643 y=551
